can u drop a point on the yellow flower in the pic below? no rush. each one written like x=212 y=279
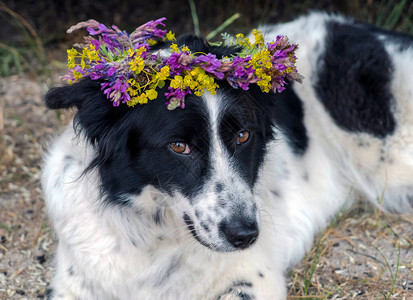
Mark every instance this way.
x=174 y=48
x=177 y=82
x=151 y=94
x=77 y=75
x=151 y=42
x=137 y=64
x=185 y=49
x=141 y=50
x=142 y=98
x=264 y=85
x=130 y=52
x=259 y=38
x=162 y=74
x=170 y=36
x=71 y=54
x=243 y=41
x=189 y=82
x=262 y=59
x=91 y=53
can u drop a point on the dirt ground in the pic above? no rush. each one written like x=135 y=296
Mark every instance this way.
x=364 y=254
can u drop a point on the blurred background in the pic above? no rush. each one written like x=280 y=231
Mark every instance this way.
x=32 y=30
x=363 y=254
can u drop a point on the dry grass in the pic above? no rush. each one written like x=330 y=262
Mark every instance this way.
x=346 y=260
x=362 y=255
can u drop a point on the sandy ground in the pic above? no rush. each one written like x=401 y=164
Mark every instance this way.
x=364 y=254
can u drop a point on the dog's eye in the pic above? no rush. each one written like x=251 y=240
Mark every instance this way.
x=180 y=147
x=243 y=137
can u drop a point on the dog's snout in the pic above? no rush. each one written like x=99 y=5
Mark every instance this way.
x=240 y=233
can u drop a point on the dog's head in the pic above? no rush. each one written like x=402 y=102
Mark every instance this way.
x=205 y=159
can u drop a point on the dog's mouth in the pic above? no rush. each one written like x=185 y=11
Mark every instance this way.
x=234 y=235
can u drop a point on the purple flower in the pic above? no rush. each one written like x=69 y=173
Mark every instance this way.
x=210 y=64
x=111 y=71
x=178 y=62
x=244 y=86
x=116 y=91
x=95 y=43
x=242 y=66
x=111 y=43
x=148 y=30
x=177 y=93
x=102 y=28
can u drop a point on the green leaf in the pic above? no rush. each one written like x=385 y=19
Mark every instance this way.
x=161 y=84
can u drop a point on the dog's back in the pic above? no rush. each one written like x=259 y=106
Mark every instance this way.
x=358 y=102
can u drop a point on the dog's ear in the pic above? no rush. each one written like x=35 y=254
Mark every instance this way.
x=72 y=95
x=95 y=117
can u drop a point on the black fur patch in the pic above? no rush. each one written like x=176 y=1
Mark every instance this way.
x=127 y=139
x=253 y=111
x=235 y=290
x=49 y=294
x=158 y=217
x=289 y=115
x=354 y=78
x=191 y=227
x=219 y=187
x=403 y=40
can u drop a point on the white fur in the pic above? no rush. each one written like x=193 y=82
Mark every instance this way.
x=131 y=257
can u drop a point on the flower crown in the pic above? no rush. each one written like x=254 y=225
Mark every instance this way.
x=131 y=72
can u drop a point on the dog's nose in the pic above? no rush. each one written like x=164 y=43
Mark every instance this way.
x=240 y=233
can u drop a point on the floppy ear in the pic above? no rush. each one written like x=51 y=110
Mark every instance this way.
x=96 y=117
x=71 y=95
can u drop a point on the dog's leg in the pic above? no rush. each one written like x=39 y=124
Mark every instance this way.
x=256 y=274
x=68 y=283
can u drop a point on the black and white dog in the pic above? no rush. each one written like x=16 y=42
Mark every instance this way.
x=217 y=200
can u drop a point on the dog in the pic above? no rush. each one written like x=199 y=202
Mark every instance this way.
x=217 y=200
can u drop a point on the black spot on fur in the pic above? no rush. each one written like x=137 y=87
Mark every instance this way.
x=275 y=193
x=133 y=242
x=205 y=226
x=158 y=217
x=49 y=294
x=245 y=296
x=222 y=202
x=305 y=176
x=236 y=289
x=190 y=224
x=68 y=161
x=41 y=259
x=242 y=283
x=70 y=271
x=219 y=187
x=354 y=79
x=172 y=267
x=260 y=275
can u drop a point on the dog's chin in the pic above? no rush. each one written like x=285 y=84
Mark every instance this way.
x=222 y=246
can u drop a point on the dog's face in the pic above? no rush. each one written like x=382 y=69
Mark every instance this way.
x=204 y=159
